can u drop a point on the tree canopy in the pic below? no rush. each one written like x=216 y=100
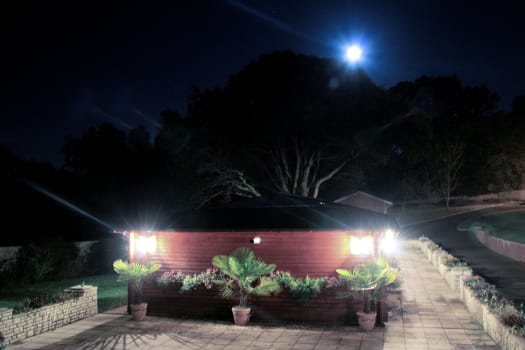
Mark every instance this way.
x=294 y=124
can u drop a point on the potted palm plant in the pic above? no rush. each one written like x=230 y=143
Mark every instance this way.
x=368 y=279
x=245 y=275
x=135 y=274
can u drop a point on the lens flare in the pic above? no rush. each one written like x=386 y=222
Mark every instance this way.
x=67 y=204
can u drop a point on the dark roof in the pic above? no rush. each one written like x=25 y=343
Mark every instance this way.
x=280 y=212
x=361 y=193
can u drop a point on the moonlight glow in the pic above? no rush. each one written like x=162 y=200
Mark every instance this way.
x=353 y=53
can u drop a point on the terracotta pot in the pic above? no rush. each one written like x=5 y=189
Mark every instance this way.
x=241 y=315
x=138 y=311
x=367 y=321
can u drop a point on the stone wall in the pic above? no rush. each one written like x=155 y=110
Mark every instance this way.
x=510 y=249
x=499 y=197
x=492 y=323
x=25 y=325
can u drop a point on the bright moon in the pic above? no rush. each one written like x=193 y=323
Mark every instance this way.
x=353 y=53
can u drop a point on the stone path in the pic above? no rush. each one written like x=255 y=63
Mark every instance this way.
x=430 y=315
x=507 y=274
x=427 y=316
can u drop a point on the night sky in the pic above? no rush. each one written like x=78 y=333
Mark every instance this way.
x=66 y=67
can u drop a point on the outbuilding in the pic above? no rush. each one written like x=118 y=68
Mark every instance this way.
x=306 y=237
x=365 y=200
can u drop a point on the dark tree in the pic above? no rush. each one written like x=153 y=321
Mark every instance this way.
x=446 y=163
x=289 y=122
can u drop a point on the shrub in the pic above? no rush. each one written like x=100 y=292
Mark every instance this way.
x=487 y=294
x=169 y=278
x=101 y=255
x=39 y=301
x=45 y=260
x=192 y=281
x=206 y=279
x=6 y=272
x=433 y=246
x=302 y=289
x=452 y=261
x=516 y=322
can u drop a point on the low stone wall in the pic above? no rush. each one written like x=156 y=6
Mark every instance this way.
x=473 y=305
x=492 y=323
x=513 y=250
x=508 y=196
x=25 y=325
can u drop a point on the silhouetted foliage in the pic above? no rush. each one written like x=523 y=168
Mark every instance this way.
x=287 y=123
x=283 y=102
x=101 y=255
x=45 y=260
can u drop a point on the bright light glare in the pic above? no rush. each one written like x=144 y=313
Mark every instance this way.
x=389 y=243
x=353 y=53
x=362 y=246
x=146 y=244
x=256 y=240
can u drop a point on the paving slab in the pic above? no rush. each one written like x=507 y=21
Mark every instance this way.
x=426 y=315
x=429 y=314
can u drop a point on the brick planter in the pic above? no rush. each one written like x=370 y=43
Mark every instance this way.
x=492 y=323
x=442 y=268
x=25 y=325
x=496 y=328
x=455 y=275
x=436 y=257
x=473 y=305
x=423 y=245
x=429 y=254
x=326 y=307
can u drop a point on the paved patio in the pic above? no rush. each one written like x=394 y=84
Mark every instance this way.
x=427 y=316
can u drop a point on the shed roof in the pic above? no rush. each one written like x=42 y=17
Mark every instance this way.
x=364 y=194
x=282 y=212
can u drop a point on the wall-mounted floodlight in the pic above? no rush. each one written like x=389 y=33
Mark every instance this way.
x=362 y=245
x=256 y=240
x=146 y=244
x=389 y=243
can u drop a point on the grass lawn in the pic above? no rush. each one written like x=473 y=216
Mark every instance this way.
x=509 y=226
x=110 y=293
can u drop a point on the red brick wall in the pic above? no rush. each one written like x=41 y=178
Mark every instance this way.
x=315 y=254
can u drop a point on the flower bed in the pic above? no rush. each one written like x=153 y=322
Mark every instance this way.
x=501 y=320
x=28 y=321
x=304 y=299
x=472 y=303
x=302 y=289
